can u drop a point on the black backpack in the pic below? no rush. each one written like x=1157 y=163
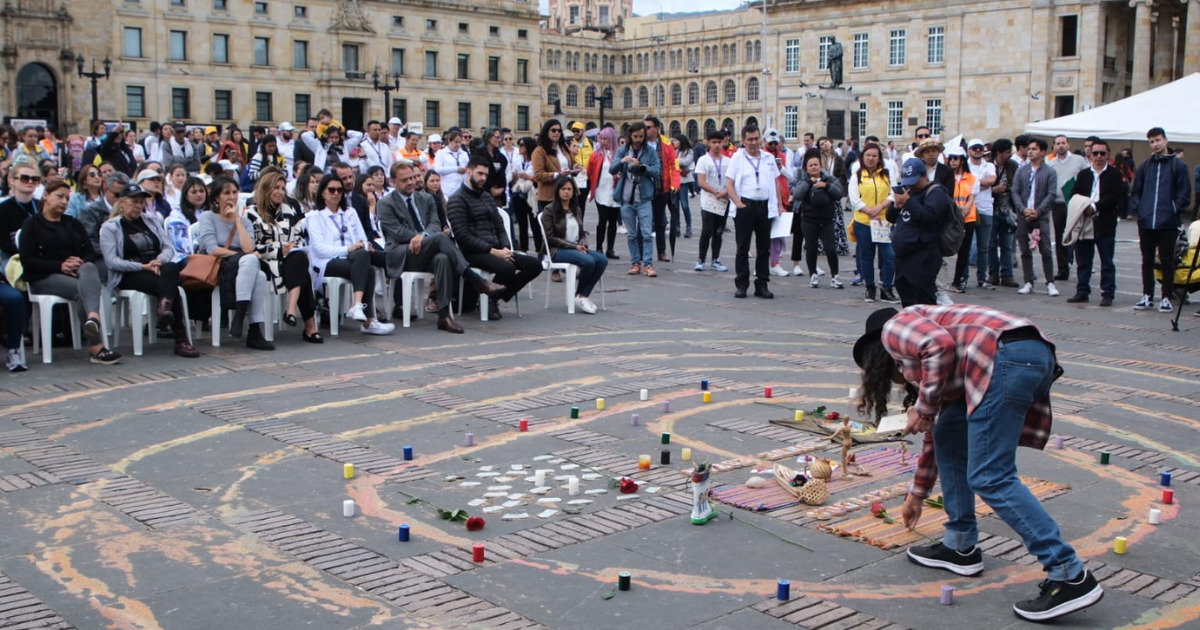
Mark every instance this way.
x=954 y=229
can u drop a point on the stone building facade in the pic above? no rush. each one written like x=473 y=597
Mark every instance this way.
x=962 y=67
x=268 y=61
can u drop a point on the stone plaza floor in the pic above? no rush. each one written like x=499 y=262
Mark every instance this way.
x=208 y=493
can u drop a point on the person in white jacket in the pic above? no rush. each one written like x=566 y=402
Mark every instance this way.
x=451 y=163
x=332 y=143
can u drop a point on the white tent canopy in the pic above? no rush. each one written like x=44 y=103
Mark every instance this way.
x=1171 y=106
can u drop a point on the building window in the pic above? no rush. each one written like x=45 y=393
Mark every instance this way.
x=262 y=51
x=730 y=91
x=431 y=63
x=181 y=103
x=643 y=97
x=464 y=66
x=220 y=52
x=791 y=122
x=693 y=93
x=895 y=121
x=397 y=21
x=464 y=28
x=589 y=97
x=260 y=8
x=574 y=16
x=522 y=33
x=898 y=47
x=493 y=68
x=823 y=53
x=494 y=114
x=300 y=12
x=862 y=45
x=933 y=114
x=1069 y=27
x=660 y=96
x=433 y=114
x=791 y=56
x=752 y=89
x=177 y=3
x=493 y=31
x=937 y=44
x=400 y=108
x=398 y=61
x=522 y=71
x=135 y=101
x=350 y=58
x=676 y=95
x=220 y=5
x=303 y=107
x=710 y=93
x=551 y=93
x=627 y=99
x=862 y=118
x=133 y=41
x=464 y=115
x=262 y=106
x=1064 y=105
x=522 y=118
x=223 y=104
x=299 y=54
x=178 y=41
x=573 y=96
x=604 y=17
x=431 y=25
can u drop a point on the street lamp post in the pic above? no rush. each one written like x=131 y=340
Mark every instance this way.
x=658 y=41
x=605 y=103
x=387 y=87
x=94 y=76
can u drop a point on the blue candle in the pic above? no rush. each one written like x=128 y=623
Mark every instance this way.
x=407 y=453
x=704 y=384
x=404 y=533
x=1166 y=478
x=783 y=590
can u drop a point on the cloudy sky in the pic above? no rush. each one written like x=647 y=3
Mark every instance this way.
x=646 y=7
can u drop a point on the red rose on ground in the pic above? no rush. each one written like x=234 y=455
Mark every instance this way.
x=628 y=486
x=877 y=508
x=475 y=523
x=833 y=415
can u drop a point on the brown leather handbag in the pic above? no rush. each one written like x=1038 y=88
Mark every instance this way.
x=202 y=270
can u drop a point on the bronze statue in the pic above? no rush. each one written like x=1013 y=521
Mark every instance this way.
x=834 y=56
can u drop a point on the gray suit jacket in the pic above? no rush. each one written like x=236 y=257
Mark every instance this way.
x=1045 y=183
x=398 y=228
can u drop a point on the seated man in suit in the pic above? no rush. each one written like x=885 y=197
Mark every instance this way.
x=480 y=234
x=415 y=242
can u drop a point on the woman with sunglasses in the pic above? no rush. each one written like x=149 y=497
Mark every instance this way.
x=551 y=158
x=221 y=232
x=90 y=189
x=280 y=245
x=59 y=260
x=337 y=246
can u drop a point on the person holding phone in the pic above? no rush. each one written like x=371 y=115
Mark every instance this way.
x=819 y=194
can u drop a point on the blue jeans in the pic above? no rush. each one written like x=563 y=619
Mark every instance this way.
x=639 y=222
x=684 y=205
x=16 y=313
x=1000 y=249
x=983 y=238
x=1084 y=251
x=864 y=255
x=591 y=266
x=977 y=454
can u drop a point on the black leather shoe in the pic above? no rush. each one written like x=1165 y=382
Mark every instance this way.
x=490 y=289
x=764 y=293
x=449 y=325
x=1106 y=300
x=1077 y=298
x=740 y=293
x=1061 y=276
x=494 y=313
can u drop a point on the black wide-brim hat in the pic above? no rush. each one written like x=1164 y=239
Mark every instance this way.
x=874 y=328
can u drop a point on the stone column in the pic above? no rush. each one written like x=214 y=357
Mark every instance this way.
x=1141 y=45
x=1191 y=45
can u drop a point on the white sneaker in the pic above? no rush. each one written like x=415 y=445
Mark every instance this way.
x=591 y=306
x=699 y=266
x=820 y=271
x=16 y=360
x=377 y=327
x=358 y=312
x=836 y=283
x=797 y=271
x=778 y=271
x=815 y=282
x=1051 y=290
x=1027 y=288
x=943 y=299
x=621 y=229
x=1142 y=304
x=582 y=304
x=717 y=266
x=1165 y=306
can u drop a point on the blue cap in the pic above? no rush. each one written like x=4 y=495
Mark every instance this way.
x=912 y=171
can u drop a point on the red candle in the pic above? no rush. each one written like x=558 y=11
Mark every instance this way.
x=524 y=424
x=477 y=552
x=766 y=392
x=1168 y=496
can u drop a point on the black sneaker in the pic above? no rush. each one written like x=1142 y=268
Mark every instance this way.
x=887 y=296
x=938 y=556
x=1060 y=598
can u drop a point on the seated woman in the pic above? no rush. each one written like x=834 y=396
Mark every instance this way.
x=224 y=234
x=138 y=254
x=280 y=245
x=59 y=260
x=568 y=241
x=337 y=246
x=16 y=315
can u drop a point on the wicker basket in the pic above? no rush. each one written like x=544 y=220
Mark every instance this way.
x=814 y=492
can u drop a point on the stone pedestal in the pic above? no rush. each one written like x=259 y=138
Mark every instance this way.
x=829 y=113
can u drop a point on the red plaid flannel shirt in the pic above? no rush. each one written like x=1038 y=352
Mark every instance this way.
x=948 y=352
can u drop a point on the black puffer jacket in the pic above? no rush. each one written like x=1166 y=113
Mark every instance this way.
x=476 y=221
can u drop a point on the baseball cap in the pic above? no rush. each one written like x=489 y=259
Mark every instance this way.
x=772 y=135
x=912 y=171
x=976 y=142
x=576 y=126
x=287 y=126
x=148 y=174
x=435 y=137
x=179 y=126
x=395 y=121
x=210 y=129
x=133 y=190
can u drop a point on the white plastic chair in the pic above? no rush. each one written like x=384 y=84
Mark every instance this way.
x=484 y=303
x=334 y=288
x=570 y=273
x=140 y=305
x=411 y=282
x=43 y=318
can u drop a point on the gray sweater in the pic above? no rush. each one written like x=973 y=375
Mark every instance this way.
x=212 y=232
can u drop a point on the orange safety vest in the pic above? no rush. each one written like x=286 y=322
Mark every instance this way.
x=963 y=185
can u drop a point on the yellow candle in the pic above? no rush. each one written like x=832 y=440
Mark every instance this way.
x=707 y=397
x=686 y=454
x=348 y=471
x=644 y=462
x=600 y=404
x=1119 y=546
x=799 y=415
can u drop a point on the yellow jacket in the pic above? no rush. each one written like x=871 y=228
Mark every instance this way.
x=583 y=152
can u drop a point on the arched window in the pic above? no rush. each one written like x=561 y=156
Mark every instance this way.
x=549 y=59
x=589 y=96
x=710 y=125
x=671 y=57
x=710 y=93
x=608 y=93
x=612 y=65
x=693 y=131
x=587 y=63
x=728 y=124
x=604 y=64
x=758 y=51
x=558 y=60
x=707 y=57
x=643 y=97
x=624 y=68
x=627 y=99
x=572 y=96
x=733 y=53
x=749 y=52
x=752 y=89
x=730 y=91
x=675 y=129
x=576 y=68
x=693 y=93
x=660 y=96
x=676 y=95
x=724 y=54
x=552 y=93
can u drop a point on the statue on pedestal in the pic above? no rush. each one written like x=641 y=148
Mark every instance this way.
x=834 y=56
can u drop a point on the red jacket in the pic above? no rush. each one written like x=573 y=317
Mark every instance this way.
x=670 y=163
x=594 y=166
